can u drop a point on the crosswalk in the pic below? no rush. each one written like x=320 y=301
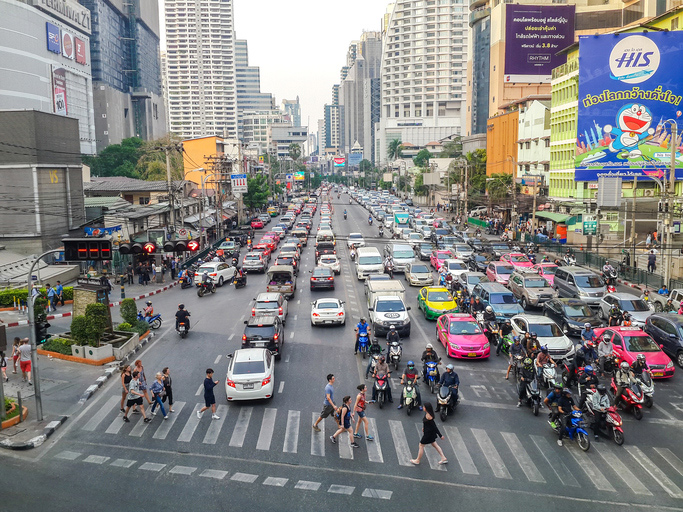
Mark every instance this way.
x=473 y=452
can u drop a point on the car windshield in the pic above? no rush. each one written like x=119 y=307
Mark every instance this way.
x=439 y=297
x=640 y=344
x=419 y=269
x=456 y=265
x=502 y=298
x=248 y=367
x=549 y=270
x=322 y=272
x=589 y=281
x=464 y=328
x=370 y=260
x=519 y=259
x=266 y=305
x=425 y=248
x=535 y=283
x=441 y=231
x=504 y=269
x=389 y=306
x=474 y=279
x=328 y=305
x=265 y=332
x=403 y=254
x=355 y=237
x=500 y=247
x=578 y=311
x=252 y=257
x=546 y=330
x=328 y=261
x=633 y=305
x=463 y=248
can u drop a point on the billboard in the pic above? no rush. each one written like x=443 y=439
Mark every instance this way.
x=534 y=34
x=54 y=40
x=68 y=49
x=630 y=85
x=299 y=176
x=59 y=91
x=80 y=50
x=355 y=158
x=339 y=162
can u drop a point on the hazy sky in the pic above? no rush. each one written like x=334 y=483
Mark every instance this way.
x=301 y=45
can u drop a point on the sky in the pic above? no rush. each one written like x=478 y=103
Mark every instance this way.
x=301 y=45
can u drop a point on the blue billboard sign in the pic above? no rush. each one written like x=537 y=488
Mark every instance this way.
x=54 y=41
x=354 y=159
x=630 y=91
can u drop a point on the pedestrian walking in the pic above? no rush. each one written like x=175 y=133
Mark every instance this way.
x=25 y=360
x=345 y=415
x=328 y=402
x=359 y=409
x=209 y=398
x=157 y=390
x=168 y=388
x=154 y=273
x=59 y=289
x=126 y=377
x=651 y=262
x=174 y=264
x=135 y=398
x=3 y=366
x=129 y=273
x=143 y=380
x=648 y=240
x=15 y=353
x=429 y=434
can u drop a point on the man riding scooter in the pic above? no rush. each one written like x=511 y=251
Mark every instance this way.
x=450 y=380
x=411 y=376
x=362 y=328
x=429 y=355
x=182 y=316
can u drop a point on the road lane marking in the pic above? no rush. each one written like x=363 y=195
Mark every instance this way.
x=241 y=427
x=460 y=448
x=215 y=427
x=231 y=336
x=345 y=448
x=292 y=432
x=432 y=456
x=341 y=489
x=218 y=358
x=563 y=474
x=275 y=482
x=141 y=425
x=281 y=386
x=298 y=301
x=101 y=414
x=622 y=471
x=291 y=335
x=402 y=449
x=244 y=477
x=318 y=438
x=182 y=470
x=199 y=389
x=165 y=427
x=123 y=463
x=664 y=412
x=530 y=470
x=68 y=455
x=656 y=473
x=594 y=474
x=492 y=457
x=675 y=462
x=287 y=359
x=307 y=485
x=214 y=473
x=190 y=426
x=373 y=447
x=96 y=459
x=267 y=427
x=377 y=493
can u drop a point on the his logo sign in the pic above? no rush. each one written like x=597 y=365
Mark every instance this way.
x=634 y=59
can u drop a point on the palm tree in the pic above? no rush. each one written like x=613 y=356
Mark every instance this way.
x=394 y=149
x=294 y=151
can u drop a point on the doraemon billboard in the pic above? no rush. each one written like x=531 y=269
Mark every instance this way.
x=630 y=85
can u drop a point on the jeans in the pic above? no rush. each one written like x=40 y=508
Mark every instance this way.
x=157 y=401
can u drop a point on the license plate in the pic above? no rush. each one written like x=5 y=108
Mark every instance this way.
x=471 y=354
x=658 y=374
x=248 y=386
x=329 y=321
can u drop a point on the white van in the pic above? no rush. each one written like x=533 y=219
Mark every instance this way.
x=479 y=210
x=368 y=261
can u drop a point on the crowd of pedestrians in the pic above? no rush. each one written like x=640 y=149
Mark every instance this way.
x=135 y=393
x=21 y=357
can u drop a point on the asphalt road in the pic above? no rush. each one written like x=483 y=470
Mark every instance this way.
x=265 y=454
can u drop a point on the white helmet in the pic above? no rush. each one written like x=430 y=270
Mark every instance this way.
x=489 y=309
x=428 y=346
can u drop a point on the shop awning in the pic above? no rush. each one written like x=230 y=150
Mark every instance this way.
x=559 y=218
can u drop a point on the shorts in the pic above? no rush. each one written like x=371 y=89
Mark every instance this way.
x=361 y=414
x=134 y=401
x=25 y=366
x=209 y=400
x=15 y=357
x=327 y=411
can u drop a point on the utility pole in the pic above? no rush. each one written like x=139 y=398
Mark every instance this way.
x=533 y=208
x=633 y=219
x=466 y=187
x=668 y=207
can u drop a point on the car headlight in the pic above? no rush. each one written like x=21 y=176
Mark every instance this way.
x=670 y=364
x=583 y=294
x=486 y=345
x=454 y=346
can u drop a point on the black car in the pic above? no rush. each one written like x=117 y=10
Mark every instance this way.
x=324 y=248
x=424 y=251
x=667 y=330
x=264 y=332
x=478 y=262
x=439 y=233
x=498 y=248
x=476 y=244
x=571 y=315
x=322 y=277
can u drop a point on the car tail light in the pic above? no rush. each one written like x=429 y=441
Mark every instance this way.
x=280 y=311
x=330 y=278
x=244 y=337
x=316 y=314
x=253 y=311
x=213 y=274
x=275 y=337
x=341 y=313
x=265 y=381
x=230 y=383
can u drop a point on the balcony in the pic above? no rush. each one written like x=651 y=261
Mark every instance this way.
x=479 y=14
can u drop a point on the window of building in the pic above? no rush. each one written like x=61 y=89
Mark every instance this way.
x=547 y=143
x=144 y=200
x=527 y=144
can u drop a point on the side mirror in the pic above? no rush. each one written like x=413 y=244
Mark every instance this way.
x=245 y=322
x=230 y=356
x=408 y=308
x=312 y=303
x=371 y=309
x=672 y=336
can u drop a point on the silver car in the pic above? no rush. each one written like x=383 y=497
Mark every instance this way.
x=636 y=307
x=470 y=279
x=419 y=274
x=530 y=288
x=270 y=304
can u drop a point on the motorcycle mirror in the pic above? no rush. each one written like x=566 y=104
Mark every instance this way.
x=230 y=356
x=408 y=308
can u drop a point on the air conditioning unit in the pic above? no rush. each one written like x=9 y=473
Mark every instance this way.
x=649 y=192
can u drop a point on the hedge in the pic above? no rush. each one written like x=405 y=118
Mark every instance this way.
x=7 y=297
x=59 y=345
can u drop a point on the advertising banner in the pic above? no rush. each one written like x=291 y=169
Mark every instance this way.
x=387 y=177
x=68 y=49
x=239 y=183
x=59 y=91
x=340 y=162
x=534 y=34
x=299 y=176
x=355 y=158
x=80 y=51
x=630 y=90
x=54 y=41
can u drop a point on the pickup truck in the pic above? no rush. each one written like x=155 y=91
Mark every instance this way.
x=281 y=279
x=659 y=301
x=386 y=307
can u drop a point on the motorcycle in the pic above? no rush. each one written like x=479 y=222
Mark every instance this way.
x=477 y=233
x=353 y=255
x=445 y=402
x=533 y=396
x=370 y=221
x=569 y=259
x=389 y=269
x=567 y=373
x=381 y=232
x=240 y=281
x=631 y=399
x=575 y=430
x=505 y=343
x=531 y=257
x=609 y=276
x=182 y=329
x=646 y=383
x=363 y=344
x=206 y=287
x=345 y=215
x=381 y=389
x=548 y=376
x=432 y=375
x=187 y=281
x=153 y=321
x=613 y=421
x=349 y=200
x=395 y=353
x=409 y=397
x=491 y=332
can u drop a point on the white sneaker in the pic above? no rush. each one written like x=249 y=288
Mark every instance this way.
x=199 y=415
x=215 y=417
x=166 y=417
x=154 y=413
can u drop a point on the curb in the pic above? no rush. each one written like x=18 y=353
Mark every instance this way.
x=49 y=429
x=626 y=283
x=111 y=305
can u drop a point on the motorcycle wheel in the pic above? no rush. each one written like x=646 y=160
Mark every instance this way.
x=431 y=387
x=409 y=409
x=213 y=289
x=380 y=400
x=363 y=352
x=618 y=437
x=443 y=414
x=638 y=413
x=648 y=402
x=200 y=292
x=156 y=324
x=183 y=334
x=583 y=441
x=536 y=408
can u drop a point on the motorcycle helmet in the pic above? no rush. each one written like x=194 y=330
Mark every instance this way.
x=507 y=321
x=149 y=302
x=606 y=338
x=558 y=385
x=515 y=339
x=392 y=328
x=489 y=309
x=181 y=306
x=641 y=358
x=567 y=391
x=381 y=359
x=627 y=315
x=624 y=365
x=429 y=346
x=586 y=325
x=534 y=335
x=410 y=364
x=602 y=389
x=528 y=362
x=588 y=369
x=362 y=320
x=544 y=349
x=450 y=367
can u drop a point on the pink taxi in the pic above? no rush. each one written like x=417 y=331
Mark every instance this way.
x=439 y=256
x=547 y=270
x=462 y=336
x=517 y=260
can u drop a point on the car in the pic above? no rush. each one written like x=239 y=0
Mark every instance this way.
x=230 y=248
x=471 y=279
x=517 y=260
x=264 y=218
x=322 y=277
x=250 y=374
x=530 y=288
x=462 y=251
x=455 y=267
x=498 y=248
x=499 y=272
x=266 y=304
x=478 y=262
x=628 y=342
x=548 y=332
x=256 y=224
x=254 y=262
x=271 y=243
x=414 y=238
x=659 y=301
x=418 y=274
x=438 y=256
x=667 y=330
x=438 y=233
x=435 y=301
x=219 y=271
x=291 y=248
x=282 y=225
x=272 y=234
x=424 y=250
x=355 y=239
x=462 y=336
x=280 y=231
x=571 y=315
x=375 y=277
x=505 y=305
x=330 y=261
x=288 y=259
x=547 y=271
x=295 y=241
x=263 y=248
x=264 y=332
x=327 y=312
x=636 y=307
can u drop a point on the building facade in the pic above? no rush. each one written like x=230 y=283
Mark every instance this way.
x=291 y=109
x=200 y=49
x=533 y=143
x=248 y=83
x=501 y=137
x=256 y=126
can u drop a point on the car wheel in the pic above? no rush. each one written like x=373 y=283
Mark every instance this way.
x=220 y=281
x=601 y=314
x=679 y=358
x=525 y=304
x=658 y=307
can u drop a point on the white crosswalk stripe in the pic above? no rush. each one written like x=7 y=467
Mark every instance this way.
x=660 y=477
x=622 y=471
x=292 y=432
x=558 y=467
x=374 y=448
x=240 y=431
x=190 y=426
x=492 y=457
x=215 y=427
x=523 y=459
x=166 y=426
x=267 y=427
x=318 y=438
x=400 y=442
x=460 y=449
x=594 y=475
x=104 y=411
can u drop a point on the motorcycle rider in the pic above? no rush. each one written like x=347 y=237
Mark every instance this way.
x=607 y=271
x=517 y=349
x=605 y=350
x=526 y=376
x=545 y=259
x=588 y=334
x=600 y=403
x=206 y=279
x=182 y=315
x=639 y=365
x=615 y=316
x=451 y=380
x=410 y=375
x=622 y=379
x=583 y=357
x=428 y=355
x=375 y=349
x=531 y=344
x=565 y=406
x=588 y=379
x=542 y=359
x=381 y=231
x=626 y=322
x=505 y=330
x=353 y=252
x=477 y=306
x=551 y=401
x=149 y=310
x=389 y=265
x=382 y=368
x=669 y=306
x=345 y=213
x=370 y=220
x=361 y=328
x=393 y=335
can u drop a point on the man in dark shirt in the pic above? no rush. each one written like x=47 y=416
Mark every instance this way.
x=565 y=406
x=651 y=262
x=182 y=315
x=477 y=306
x=505 y=330
x=429 y=355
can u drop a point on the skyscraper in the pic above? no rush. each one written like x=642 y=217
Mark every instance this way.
x=248 y=80
x=200 y=50
x=292 y=108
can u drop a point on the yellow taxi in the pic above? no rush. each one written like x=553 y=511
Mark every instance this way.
x=435 y=301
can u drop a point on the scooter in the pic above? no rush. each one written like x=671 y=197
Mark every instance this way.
x=370 y=221
x=613 y=421
x=363 y=344
x=646 y=383
x=381 y=388
x=575 y=430
x=381 y=232
x=631 y=399
x=548 y=376
x=409 y=397
x=187 y=281
x=610 y=276
x=446 y=402
x=395 y=353
x=389 y=269
x=533 y=396
x=432 y=375
x=182 y=329
x=569 y=259
x=353 y=255
x=153 y=321
x=240 y=282
x=206 y=287
x=505 y=343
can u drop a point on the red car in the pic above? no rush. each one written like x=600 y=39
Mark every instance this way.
x=256 y=224
x=628 y=342
x=263 y=248
x=272 y=234
x=269 y=242
x=462 y=336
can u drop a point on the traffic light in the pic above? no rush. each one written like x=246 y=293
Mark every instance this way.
x=137 y=248
x=41 y=332
x=181 y=246
x=87 y=249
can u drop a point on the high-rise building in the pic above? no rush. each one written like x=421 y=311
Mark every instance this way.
x=423 y=71
x=200 y=49
x=292 y=108
x=332 y=140
x=126 y=70
x=248 y=80
x=256 y=125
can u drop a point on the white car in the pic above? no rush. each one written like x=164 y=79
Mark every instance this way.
x=328 y=311
x=455 y=267
x=548 y=332
x=219 y=271
x=330 y=261
x=462 y=251
x=415 y=238
x=355 y=239
x=250 y=374
x=270 y=303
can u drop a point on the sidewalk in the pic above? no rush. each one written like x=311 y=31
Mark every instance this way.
x=133 y=291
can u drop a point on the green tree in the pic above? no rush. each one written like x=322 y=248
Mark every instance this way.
x=294 y=151
x=365 y=165
x=394 y=149
x=116 y=159
x=151 y=165
x=422 y=158
x=499 y=186
x=452 y=148
x=257 y=195
x=419 y=188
